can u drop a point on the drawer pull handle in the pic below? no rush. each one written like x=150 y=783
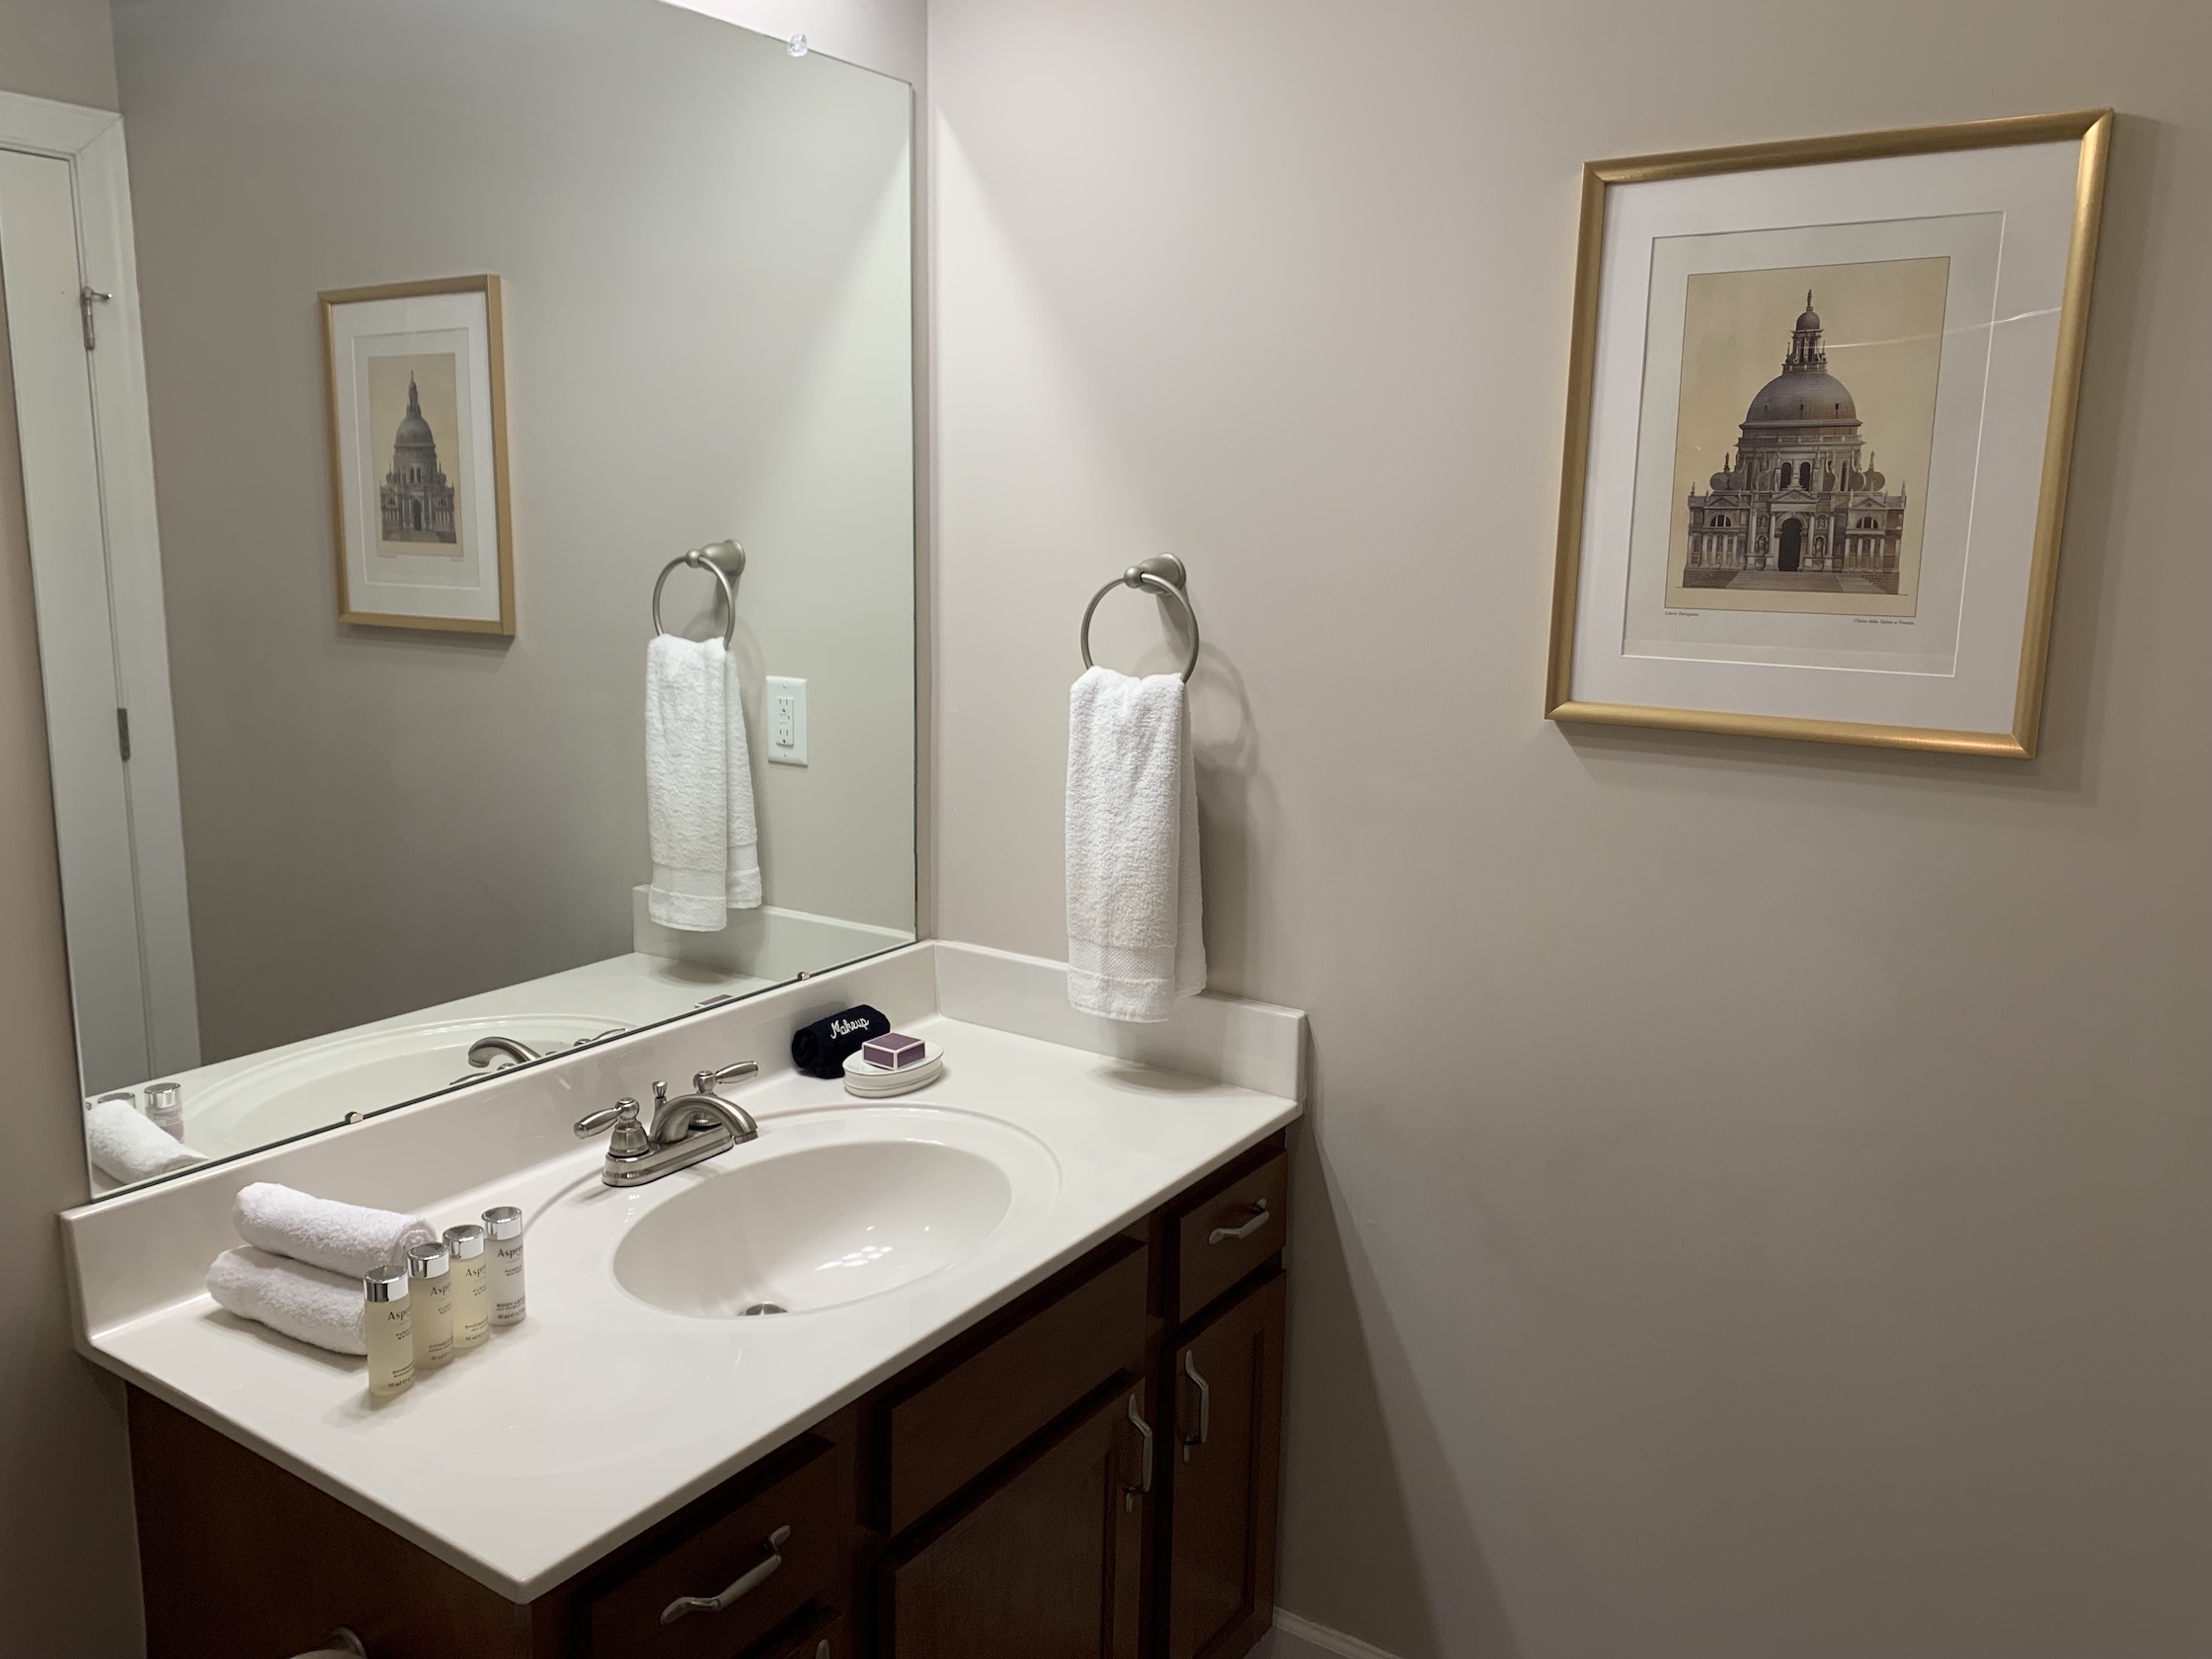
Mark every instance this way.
x=342 y=1644
x=744 y=1587
x=1223 y=1234
x=1129 y=1494
x=1205 y=1407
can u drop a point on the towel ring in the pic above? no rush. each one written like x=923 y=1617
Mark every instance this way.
x=721 y=559
x=1162 y=573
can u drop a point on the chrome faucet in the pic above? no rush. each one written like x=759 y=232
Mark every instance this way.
x=485 y=1050
x=688 y=1130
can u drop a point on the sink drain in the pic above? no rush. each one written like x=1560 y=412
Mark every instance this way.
x=760 y=1308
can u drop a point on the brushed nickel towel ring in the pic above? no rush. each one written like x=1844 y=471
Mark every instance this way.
x=721 y=559
x=1162 y=573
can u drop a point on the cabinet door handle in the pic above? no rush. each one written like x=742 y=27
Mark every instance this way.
x=1129 y=1494
x=1204 y=1405
x=1223 y=1234
x=747 y=1583
x=342 y=1644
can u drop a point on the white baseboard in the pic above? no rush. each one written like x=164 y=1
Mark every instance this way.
x=1301 y=1638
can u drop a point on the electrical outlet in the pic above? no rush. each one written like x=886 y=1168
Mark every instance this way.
x=787 y=721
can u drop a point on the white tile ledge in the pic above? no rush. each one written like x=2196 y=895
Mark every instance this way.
x=1223 y=1039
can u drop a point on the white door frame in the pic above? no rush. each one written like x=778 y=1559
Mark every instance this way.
x=121 y=1039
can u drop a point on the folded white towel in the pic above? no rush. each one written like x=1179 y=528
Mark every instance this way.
x=1135 y=934
x=687 y=782
x=344 y=1238
x=290 y=1297
x=127 y=1147
x=745 y=826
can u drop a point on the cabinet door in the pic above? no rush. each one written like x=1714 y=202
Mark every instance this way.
x=1045 y=1564
x=1227 y=1384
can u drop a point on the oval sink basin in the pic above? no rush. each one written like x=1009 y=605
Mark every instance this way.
x=798 y=1228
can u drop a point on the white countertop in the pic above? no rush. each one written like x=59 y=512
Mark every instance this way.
x=532 y=1457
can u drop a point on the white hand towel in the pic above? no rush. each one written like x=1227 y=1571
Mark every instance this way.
x=687 y=782
x=301 y=1301
x=344 y=1238
x=128 y=1146
x=745 y=826
x=1135 y=934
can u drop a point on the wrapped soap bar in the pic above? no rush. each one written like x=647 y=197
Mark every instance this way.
x=894 y=1052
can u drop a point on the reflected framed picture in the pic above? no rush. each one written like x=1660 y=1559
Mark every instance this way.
x=416 y=384
x=1820 y=415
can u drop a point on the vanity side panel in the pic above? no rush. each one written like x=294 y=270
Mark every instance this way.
x=241 y=1559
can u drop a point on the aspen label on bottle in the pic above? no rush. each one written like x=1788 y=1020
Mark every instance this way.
x=508 y=1300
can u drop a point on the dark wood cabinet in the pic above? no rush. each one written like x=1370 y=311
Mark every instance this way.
x=1223 y=1453
x=1046 y=1563
x=1090 y=1472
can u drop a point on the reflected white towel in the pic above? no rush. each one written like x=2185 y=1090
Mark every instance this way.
x=687 y=782
x=344 y=1238
x=1136 y=934
x=745 y=826
x=127 y=1146
x=301 y=1301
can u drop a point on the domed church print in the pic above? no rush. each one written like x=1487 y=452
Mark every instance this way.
x=417 y=499
x=1799 y=505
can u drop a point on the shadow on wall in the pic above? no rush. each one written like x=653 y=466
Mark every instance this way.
x=1404 y=1542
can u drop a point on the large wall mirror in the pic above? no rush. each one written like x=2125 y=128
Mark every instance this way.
x=461 y=327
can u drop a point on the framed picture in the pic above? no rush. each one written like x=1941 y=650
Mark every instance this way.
x=416 y=377
x=1820 y=413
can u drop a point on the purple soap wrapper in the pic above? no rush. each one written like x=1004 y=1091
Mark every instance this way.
x=894 y=1052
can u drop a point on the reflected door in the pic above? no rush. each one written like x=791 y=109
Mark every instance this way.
x=118 y=828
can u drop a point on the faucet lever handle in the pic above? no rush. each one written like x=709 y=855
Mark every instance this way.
x=706 y=1083
x=607 y=1117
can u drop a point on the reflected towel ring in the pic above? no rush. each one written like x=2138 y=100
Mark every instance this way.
x=721 y=559
x=1162 y=573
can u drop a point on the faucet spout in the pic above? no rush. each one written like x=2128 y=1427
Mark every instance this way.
x=485 y=1050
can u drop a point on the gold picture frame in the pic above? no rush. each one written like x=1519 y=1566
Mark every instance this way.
x=2091 y=130
x=479 y=532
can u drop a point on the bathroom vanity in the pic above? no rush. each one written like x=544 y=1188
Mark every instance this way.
x=1026 y=1399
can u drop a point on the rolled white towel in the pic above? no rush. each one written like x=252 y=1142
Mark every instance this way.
x=338 y=1237
x=290 y=1297
x=128 y=1148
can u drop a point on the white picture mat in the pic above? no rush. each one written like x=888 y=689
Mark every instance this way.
x=1926 y=641
x=427 y=585
x=2034 y=187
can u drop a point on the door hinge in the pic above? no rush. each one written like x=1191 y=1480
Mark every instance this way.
x=87 y=298
x=122 y=732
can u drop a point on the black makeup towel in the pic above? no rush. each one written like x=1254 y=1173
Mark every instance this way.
x=820 y=1050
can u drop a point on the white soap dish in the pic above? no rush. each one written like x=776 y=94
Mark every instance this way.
x=877 y=1082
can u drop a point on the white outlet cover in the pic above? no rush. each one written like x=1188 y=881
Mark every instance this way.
x=785 y=721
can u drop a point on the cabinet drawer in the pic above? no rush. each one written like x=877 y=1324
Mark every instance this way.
x=950 y=1424
x=1223 y=1236
x=627 y=1617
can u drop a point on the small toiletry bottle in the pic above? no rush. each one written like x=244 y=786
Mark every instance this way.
x=164 y=1107
x=472 y=1286
x=505 y=1225
x=432 y=1295
x=389 y=1330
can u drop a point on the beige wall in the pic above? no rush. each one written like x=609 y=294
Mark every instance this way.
x=60 y=49
x=1755 y=1198
x=705 y=250
x=68 y=1560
